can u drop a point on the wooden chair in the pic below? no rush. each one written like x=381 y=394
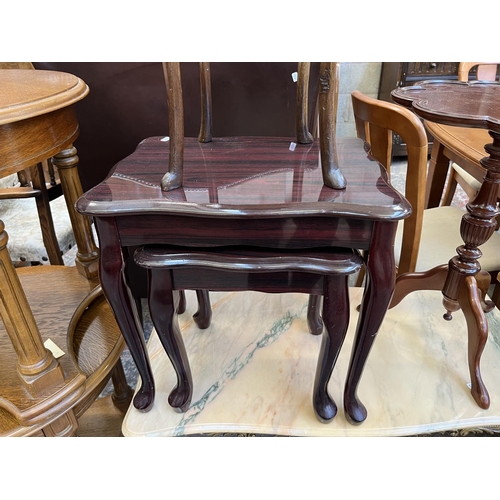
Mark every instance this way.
x=469 y=179
x=428 y=239
x=48 y=309
x=42 y=183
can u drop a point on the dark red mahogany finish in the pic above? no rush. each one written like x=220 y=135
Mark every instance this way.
x=322 y=271
x=476 y=105
x=253 y=191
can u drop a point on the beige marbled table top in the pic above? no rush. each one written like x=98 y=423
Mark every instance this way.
x=253 y=372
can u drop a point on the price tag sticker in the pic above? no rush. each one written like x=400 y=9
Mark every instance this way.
x=53 y=348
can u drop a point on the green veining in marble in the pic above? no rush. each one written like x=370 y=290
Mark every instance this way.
x=235 y=366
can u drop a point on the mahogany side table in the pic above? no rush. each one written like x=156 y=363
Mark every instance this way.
x=473 y=105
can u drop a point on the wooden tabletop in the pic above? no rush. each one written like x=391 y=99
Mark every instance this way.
x=257 y=177
x=27 y=93
x=463 y=104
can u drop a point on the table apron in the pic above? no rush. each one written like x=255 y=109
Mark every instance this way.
x=290 y=232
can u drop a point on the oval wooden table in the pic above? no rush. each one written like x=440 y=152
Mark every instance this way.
x=41 y=388
x=471 y=105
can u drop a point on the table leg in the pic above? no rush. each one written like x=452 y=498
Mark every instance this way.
x=472 y=299
x=336 y=320
x=314 y=321
x=117 y=292
x=163 y=309
x=380 y=280
x=87 y=257
x=477 y=329
x=476 y=228
x=203 y=316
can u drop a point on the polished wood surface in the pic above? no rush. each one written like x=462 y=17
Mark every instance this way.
x=253 y=191
x=462 y=104
x=469 y=105
x=281 y=184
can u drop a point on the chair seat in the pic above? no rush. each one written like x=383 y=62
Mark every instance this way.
x=441 y=237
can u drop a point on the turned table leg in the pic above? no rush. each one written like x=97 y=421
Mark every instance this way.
x=380 y=279
x=117 y=292
x=476 y=228
x=87 y=257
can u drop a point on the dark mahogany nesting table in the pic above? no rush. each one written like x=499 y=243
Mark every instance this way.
x=229 y=198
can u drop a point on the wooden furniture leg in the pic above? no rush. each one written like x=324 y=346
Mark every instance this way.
x=469 y=300
x=314 y=321
x=163 y=309
x=439 y=165
x=411 y=282
x=203 y=316
x=87 y=257
x=122 y=393
x=336 y=319
x=380 y=277
x=37 y=368
x=112 y=276
x=45 y=215
x=478 y=224
x=181 y=308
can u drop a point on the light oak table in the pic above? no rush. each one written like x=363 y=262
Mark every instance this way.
x=42 y=388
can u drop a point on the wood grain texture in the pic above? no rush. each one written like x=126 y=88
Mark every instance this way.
x=90 y=356
x=26 y=94
x=245 y=173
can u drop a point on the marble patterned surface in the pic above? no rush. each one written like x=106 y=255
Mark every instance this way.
x=253 y=372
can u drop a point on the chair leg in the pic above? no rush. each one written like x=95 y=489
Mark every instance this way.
x=314 y=321
x=163 y=309
x=336 y=319
x=122 y=395
x=45 y=215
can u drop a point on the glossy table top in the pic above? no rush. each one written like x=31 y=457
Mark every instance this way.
x=25 y=93
x=465 y=104
x=256 y=177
